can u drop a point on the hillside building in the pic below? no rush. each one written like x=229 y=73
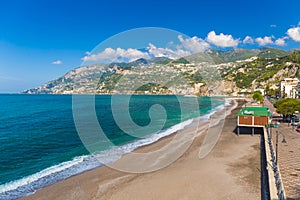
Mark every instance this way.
x=289 y=87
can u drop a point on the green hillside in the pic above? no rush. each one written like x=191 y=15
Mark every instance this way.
x=267 y=66
x=262 y=69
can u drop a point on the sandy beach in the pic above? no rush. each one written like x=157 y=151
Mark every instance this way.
x=230 y=171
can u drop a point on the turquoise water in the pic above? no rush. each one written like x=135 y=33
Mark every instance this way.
x=39 y=144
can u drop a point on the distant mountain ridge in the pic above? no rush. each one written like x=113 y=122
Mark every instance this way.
x=142 y=61
x=219 y=56
x=233 y=65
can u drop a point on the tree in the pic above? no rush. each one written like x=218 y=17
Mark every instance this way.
x=257 y=96
x=287 y=106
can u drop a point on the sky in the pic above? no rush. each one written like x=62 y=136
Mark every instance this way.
x=41 y=40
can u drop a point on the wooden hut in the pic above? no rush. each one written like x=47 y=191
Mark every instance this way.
x=253 y=117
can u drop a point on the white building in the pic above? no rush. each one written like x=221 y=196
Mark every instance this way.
x=261 y=90
x=288 y=87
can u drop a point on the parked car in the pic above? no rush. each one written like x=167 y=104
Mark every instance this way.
x=295 y=120
x=295 y=123
x=298 y=128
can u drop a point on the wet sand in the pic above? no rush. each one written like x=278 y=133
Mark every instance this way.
x=230 y=171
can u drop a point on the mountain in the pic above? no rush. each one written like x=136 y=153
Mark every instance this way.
x=141 y=62
x=272 y=53
x=159 y=60
x=262 y=71
x=125 y=65
x=239 y=69
x=86 y=79
x=180 y=61
x=218 y=56
x=80 y=80
x=232 y=55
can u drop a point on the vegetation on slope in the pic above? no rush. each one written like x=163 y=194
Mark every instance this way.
x=266 y=69
x=262 y=69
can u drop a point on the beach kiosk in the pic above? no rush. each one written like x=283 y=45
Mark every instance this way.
x=253 y=117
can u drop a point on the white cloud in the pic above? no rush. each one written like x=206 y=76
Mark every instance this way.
x=248 y=40
x=222 y=40
x=273 y=25
x=294 y=33
x=116 y=55
x=129 y=55
x=185 y=47
x=57 y=62
x=264 y=41
x=281 y=41
x=166 y=52
x=194 y=44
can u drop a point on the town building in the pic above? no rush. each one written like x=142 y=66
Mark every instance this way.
x=289 y=88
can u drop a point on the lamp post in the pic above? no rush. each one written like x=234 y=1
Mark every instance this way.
x=271 y=125
x=283 y=141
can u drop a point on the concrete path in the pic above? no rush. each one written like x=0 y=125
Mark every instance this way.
x=289 y=156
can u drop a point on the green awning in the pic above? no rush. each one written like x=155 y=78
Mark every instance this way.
x=254 y=111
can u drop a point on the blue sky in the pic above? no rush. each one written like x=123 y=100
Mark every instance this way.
x=35 y=34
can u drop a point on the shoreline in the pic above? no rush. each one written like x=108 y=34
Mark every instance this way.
x=107 y=183
x=38 y=177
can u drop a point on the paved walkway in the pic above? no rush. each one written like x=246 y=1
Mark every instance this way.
x=289 y=156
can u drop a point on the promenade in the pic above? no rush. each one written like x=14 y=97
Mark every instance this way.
x=289 y=155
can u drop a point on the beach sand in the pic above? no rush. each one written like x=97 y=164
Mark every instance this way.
x=230 y=171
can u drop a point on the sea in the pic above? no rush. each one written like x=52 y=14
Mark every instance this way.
x=40 y=143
